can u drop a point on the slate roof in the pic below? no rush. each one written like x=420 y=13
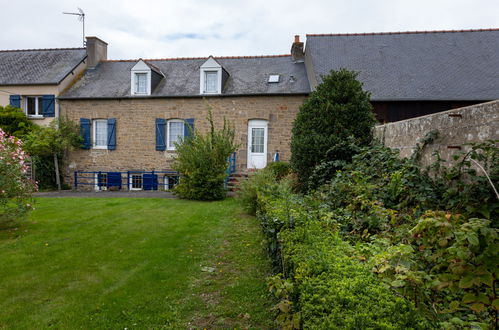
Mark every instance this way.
x=434 y=65
x=38 y=66
x=248 y=76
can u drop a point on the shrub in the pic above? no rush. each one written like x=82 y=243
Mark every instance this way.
x=14 y=122
x=15 y=187
x=323 y=284
x=336 y=111
x=202 y=162
x=279 y=169
x=262 y=181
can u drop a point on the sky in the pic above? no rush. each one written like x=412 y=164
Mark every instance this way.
x=190 y=28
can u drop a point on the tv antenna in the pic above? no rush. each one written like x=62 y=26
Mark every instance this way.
x=81 y=18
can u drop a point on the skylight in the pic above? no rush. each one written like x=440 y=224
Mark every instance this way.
x=274 y=78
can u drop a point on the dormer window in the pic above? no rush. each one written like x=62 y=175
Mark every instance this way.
x=212 y=77
x=210 y=81
x=144 y=78
x=140 y=83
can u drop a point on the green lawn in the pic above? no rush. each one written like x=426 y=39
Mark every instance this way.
x=120 y=263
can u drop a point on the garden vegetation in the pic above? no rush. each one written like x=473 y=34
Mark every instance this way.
x=202 y=162
x=383 y=243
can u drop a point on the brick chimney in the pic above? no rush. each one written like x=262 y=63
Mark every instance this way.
x=297 y=50
x=96 y=51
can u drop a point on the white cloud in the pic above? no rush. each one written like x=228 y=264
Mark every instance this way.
x=152 y=29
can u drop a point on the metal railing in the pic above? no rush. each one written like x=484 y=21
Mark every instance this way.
x=105 y=180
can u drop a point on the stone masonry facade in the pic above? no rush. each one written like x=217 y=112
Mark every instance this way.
x=456 y=127
x=135 y=128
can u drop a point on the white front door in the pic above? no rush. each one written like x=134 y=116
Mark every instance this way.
x=257 y=143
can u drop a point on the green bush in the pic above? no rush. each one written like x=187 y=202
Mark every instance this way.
x=279 y=169
x=14 y=122
x=338 y=110
x=202 y=162
x=324 y=285
x=261 y=181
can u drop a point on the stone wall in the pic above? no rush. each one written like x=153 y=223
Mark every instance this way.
x=456 y=127
x=135 y=127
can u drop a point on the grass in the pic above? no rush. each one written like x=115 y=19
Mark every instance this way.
x=134 y=263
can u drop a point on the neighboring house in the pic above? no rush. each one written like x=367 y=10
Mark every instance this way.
x=132 y=112
x=410 y=74
x=32 y=79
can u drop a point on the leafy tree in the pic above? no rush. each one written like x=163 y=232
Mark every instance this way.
x=338 y=111
x=14 y=122
x=202 y=162
x=61 y=136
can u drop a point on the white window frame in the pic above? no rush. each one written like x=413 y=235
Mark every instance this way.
x=38 y=111
x=168 y=122
x=166 y=181
x=131 y=181
x=94 y=132
x=140 y=67
x=97 y=181
x=136 y=85
x=210 y=66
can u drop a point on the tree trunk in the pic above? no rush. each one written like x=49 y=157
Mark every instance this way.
x=56 y=166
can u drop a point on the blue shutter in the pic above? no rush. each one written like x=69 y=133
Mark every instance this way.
x=48 y=105
x=111 y=134
x=188 y=127
x=15 y=100
x=149 y=181
x=114 y=179
x=85 y=133
x=160 y=134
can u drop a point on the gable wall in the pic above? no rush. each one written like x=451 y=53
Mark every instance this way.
x=135 y=127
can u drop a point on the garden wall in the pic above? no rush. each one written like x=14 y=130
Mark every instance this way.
x=456 y=127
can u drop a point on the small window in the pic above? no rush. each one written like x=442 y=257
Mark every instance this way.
x=274 y=78
x=100 y=134
x=101 y=181
x=170 y=181
x=33 y=106
x=141 y=83
x=175 y=132
x=210 y=81
x=136 y=182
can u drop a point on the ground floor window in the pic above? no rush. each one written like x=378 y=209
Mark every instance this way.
x=170 y=181
x=136 y=182
x=33 y=106
x=101 y=181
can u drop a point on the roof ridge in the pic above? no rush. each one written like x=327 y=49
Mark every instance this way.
x=200 y=58
x=399 y=32
x=41 y=49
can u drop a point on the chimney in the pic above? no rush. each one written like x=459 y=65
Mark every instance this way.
x=96 y=51
x=297 y=49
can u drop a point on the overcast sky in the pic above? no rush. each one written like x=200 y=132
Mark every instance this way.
x=185 y=28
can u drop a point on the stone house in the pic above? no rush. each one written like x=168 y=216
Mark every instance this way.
x=132 y=111
x=32 y=79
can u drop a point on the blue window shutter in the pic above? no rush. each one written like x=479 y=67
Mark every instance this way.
x=114 y=179
x=85 y=133
x=160 y=134
x=111 y=134
x=15 y=100
x=48 y=105
x=188 y=127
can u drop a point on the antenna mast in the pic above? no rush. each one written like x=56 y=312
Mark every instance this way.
x=81 y=18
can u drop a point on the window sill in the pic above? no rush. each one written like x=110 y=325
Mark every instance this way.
x=36 y=117
x=99 y=148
